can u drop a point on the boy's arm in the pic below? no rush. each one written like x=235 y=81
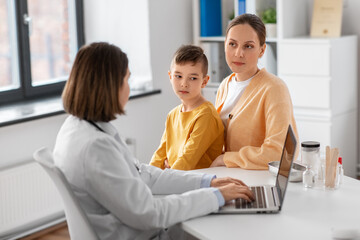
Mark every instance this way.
x=206 y=130
x=159 y=155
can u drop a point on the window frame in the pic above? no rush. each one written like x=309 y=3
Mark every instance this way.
x=26 y=91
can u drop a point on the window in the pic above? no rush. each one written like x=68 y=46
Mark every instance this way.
x=39 y=41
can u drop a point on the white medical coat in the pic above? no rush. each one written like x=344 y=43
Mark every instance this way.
x=117 y=198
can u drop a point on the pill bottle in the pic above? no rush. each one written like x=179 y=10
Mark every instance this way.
x=310 y=158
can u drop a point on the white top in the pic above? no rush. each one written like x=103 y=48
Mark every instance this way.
x=236 y=90
x=117 y=198
x=306 y=213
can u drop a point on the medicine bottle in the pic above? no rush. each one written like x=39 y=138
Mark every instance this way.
x=308 y=177
x=310 y=158
x=310 y=154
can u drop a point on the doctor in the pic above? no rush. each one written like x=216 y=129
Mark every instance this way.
x=113 y=188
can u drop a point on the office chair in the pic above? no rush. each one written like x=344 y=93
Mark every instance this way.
x=78 y=223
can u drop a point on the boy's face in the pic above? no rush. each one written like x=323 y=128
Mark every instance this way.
x=187 y=80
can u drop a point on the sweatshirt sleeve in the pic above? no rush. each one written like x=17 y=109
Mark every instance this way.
x=206 y=130
x=277 y=116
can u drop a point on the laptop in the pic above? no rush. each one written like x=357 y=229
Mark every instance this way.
x=268 y=199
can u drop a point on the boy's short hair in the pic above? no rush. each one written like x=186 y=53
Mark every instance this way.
x=190 y=53
x=97 y=75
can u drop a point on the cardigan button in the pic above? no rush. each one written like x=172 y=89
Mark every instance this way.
x=230 y=116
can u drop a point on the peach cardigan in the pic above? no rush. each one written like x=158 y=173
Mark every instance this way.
x=258 y=123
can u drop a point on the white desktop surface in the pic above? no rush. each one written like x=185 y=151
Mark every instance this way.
x=306 y=213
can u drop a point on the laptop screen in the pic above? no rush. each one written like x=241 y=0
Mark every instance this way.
x=287 y=158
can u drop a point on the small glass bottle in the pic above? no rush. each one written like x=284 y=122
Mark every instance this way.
x=310 y=158
x=339 y=172
x=308 y=177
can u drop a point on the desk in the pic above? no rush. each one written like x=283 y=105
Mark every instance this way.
x=306 y=213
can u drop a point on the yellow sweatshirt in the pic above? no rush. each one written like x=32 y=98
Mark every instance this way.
x=257 y=125
x=191 y=140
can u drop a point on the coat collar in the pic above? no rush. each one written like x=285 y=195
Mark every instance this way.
x=107 y=127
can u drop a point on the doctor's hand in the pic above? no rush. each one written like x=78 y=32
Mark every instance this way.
x=218 y=162
x=233 y=191
x=219 y=182
x=166 y=163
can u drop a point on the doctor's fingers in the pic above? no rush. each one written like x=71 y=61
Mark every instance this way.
x=232 y=191
x=217 y=182
x=244 y=193
x=236 y=181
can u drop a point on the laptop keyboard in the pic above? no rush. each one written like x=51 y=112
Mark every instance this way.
x=259 y=202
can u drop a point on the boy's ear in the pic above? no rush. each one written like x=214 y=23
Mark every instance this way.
x=169 y=73
x=205 y=81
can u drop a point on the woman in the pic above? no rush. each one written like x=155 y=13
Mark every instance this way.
x=254 y=105
x=115 y=191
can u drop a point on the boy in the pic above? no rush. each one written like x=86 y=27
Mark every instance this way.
x=194 y=133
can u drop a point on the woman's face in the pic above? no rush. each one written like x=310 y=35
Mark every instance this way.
x=242 y=50
x=124 y=91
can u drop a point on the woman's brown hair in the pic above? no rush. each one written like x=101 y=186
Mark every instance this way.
x=97 y=75
x=254 y=21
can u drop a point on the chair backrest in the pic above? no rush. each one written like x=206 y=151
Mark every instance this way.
x=78 y=223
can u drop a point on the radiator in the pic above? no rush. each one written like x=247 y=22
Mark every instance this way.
x=28 y=199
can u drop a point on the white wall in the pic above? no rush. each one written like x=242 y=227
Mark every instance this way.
x=19 y=141
x=125 y=24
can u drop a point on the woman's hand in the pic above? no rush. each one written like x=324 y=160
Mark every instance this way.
x=218 y=162
x=166 y=163
x=232 y=191
x=219 y=182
